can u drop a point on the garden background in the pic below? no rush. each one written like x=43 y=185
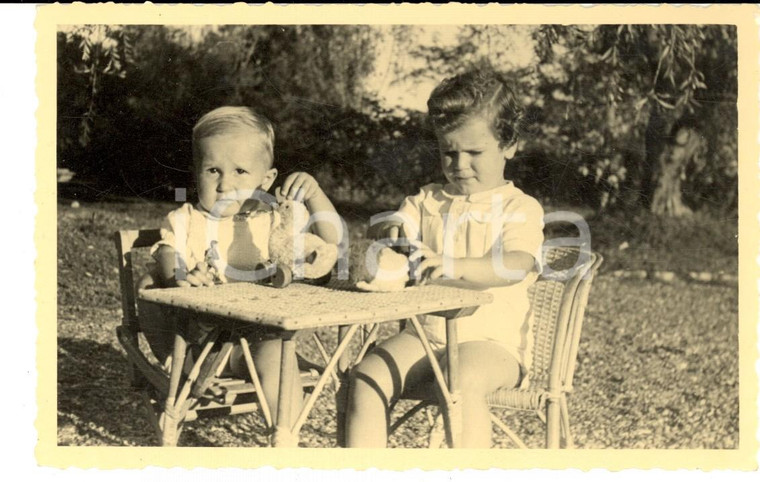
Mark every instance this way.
x=632 y=126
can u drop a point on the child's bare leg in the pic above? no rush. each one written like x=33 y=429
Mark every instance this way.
x=376 y=381
x=483 y=367
x=266 y=356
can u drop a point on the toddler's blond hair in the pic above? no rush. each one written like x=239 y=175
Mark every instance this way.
x=231 y=119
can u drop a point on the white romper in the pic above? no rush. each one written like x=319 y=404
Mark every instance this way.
x=237 y=243
x=495 y=221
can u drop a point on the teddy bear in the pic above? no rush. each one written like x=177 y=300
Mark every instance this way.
x=377 y=267
x=306 y=255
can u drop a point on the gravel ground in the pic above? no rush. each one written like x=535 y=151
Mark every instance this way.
x=657 y=368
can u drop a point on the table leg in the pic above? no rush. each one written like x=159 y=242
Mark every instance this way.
x=311 y=400
x=168 y=421
x=256 y=382
x=341 y=392
x=448 y=405
x=178 y=362
x=283 y=433
x=454 y=430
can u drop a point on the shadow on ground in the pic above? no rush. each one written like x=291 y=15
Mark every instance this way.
x=96 y=403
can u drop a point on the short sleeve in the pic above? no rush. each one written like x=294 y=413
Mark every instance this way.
x=409 y=213
x=523 y=228
x=175 y=234
x=167 y=236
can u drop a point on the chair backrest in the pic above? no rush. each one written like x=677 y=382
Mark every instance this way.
x=558 y=301
x=127 y=243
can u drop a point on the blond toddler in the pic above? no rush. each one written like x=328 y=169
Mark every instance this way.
x=224 y=236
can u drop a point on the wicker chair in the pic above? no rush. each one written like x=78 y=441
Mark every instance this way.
x=558 y=300
x=182 y=392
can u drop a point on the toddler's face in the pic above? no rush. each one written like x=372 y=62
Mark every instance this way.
x=229 y=168
x=471 y=157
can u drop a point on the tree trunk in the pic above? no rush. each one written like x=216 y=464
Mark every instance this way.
x=655 y=142
x=666 y=199
x=683 y=148
x=668 y=153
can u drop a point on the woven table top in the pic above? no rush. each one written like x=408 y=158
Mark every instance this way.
x=302 y=306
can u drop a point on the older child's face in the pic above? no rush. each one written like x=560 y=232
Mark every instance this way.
x=471 y=157
x=229 y=167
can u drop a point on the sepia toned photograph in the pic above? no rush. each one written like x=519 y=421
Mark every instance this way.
x=481 y=235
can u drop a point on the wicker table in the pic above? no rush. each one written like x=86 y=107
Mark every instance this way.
x=303 y=306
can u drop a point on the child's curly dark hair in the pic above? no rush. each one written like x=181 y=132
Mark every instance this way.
x=476 y=93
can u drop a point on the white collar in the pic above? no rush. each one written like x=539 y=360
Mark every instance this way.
x=506 y=190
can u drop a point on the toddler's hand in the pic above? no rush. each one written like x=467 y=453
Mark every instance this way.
x=299 y=186
x=391 y=230
x=431 y=264
x=200 y=276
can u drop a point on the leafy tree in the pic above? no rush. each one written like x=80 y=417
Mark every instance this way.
x=607 y=106
x=618 y=116
x=648 y=87
x=305 y=78
x=308 y=79
x=91 y=58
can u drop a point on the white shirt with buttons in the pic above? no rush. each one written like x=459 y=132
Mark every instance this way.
x=495 y=221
